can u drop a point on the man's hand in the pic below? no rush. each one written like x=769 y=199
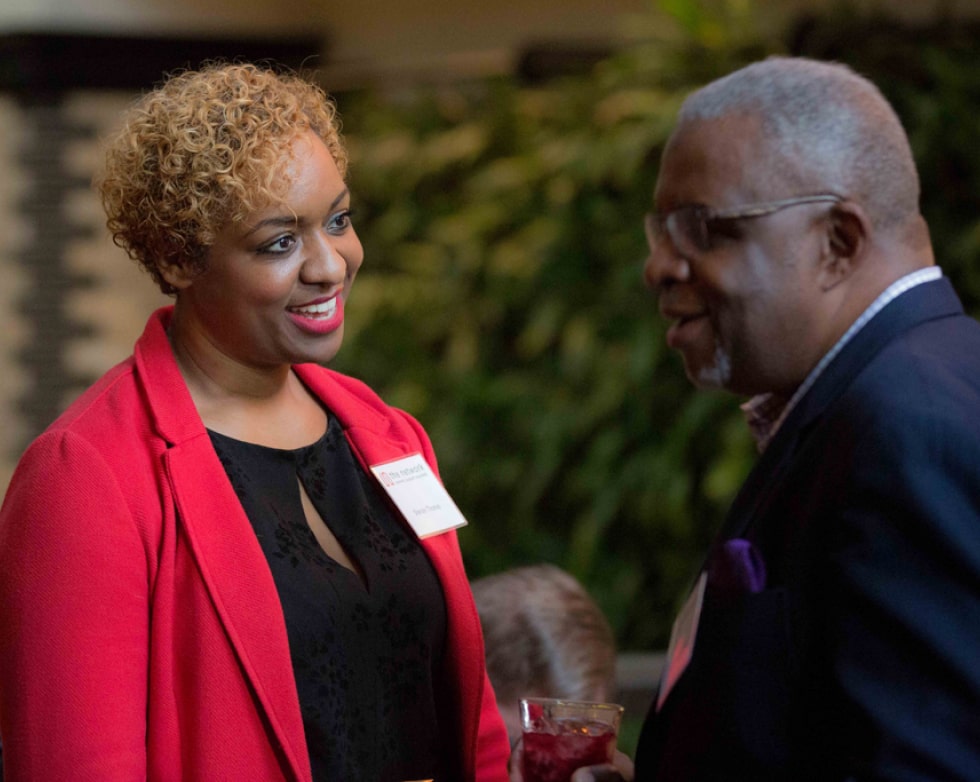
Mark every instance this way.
x=620 y=770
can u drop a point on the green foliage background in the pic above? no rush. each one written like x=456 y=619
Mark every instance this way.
x=502 y=302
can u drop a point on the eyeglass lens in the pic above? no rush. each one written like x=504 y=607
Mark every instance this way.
x=686 y=228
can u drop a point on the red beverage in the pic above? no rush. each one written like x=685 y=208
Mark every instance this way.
x=553 y=749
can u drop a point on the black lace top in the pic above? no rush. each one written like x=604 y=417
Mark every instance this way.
x=367 y=654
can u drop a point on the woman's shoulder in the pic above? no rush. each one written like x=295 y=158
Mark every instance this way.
x=345 y=395
x=358 y=406
x=108 y=422
x=102 y=402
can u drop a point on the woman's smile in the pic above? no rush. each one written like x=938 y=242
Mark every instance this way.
x=319 y=317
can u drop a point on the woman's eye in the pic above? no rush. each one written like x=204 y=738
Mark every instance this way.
x=281 y=244
x=339 y=222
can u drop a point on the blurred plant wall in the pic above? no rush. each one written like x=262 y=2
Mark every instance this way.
x=501 y=301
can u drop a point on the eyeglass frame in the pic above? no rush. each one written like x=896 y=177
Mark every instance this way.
x=657 y=226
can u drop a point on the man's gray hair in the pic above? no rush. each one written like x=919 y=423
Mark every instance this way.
x=826 y=128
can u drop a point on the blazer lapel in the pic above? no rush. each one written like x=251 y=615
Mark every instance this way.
x=464 y=642
x=236 y=574
x=231 y=563
x=377 y=438
x=927 y=301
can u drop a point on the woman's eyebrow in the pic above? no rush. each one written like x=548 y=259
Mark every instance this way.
x=287 y=220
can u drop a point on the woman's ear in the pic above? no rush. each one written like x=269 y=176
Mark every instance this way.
x=177 y=276
x=845 y=243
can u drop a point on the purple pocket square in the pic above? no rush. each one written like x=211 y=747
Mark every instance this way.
x=738 y=567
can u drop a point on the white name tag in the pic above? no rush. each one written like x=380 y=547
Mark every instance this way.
x=418 y=494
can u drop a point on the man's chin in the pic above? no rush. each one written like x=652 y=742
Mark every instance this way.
x=708 y=381
x=716 y=375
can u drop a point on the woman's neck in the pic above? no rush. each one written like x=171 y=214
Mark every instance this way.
x=264 y=405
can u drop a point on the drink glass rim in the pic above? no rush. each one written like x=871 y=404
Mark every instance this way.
x=570 y=702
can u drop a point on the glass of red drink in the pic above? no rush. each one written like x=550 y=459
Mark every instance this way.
x=561 y=736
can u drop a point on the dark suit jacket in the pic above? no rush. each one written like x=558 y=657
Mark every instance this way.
x=860 y=658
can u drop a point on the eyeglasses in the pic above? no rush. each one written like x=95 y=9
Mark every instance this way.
x=691 y=229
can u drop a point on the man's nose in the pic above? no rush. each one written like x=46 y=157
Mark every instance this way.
x=664 y=265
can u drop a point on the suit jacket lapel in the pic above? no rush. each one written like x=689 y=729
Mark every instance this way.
x=924 y=302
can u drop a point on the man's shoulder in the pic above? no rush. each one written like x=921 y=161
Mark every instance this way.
x=920 y=392
x=935 y=357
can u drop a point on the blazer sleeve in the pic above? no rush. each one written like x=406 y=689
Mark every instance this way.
x=73 y=620
x=904 y=594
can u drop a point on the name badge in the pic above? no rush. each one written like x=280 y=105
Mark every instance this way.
x=418 y=494
x=682 y=635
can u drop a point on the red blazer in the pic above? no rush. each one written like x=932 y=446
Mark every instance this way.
x=141 y=635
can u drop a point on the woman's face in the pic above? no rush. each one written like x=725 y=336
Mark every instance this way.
x=275 y=285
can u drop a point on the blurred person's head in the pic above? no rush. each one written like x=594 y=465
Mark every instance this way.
x=544 y=637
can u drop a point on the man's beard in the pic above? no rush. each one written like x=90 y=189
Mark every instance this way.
x=718 y=374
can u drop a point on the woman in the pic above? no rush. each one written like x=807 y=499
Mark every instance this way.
x=200 y=576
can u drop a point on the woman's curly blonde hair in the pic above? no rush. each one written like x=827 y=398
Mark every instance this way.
x=205 y=148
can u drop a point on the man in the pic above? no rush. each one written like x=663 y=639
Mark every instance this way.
x=834 y=631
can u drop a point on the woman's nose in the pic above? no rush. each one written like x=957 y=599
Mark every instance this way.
x=324 y=263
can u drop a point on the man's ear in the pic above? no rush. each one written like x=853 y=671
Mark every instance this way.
x=847 y=233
